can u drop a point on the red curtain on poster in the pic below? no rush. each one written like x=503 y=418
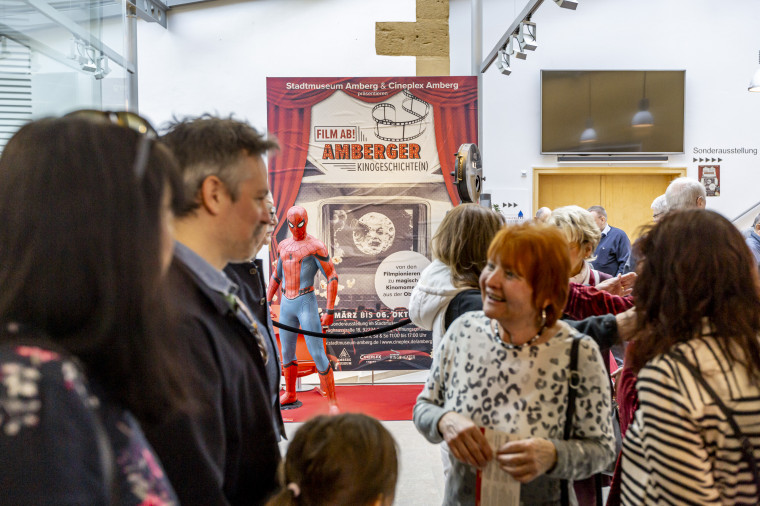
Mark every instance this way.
x=289 y=119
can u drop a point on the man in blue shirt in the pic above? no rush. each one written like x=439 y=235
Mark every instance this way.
x=614 y=247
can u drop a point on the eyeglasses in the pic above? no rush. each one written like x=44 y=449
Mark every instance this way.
x=129 y=120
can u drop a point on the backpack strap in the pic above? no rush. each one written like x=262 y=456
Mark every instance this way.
x=747 y=449
x=573 y=382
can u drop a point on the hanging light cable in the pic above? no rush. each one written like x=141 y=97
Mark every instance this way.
x=589 y=134
x=643 y=118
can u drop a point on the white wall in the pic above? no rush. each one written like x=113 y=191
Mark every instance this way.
x=717 y=46
x=215 y=57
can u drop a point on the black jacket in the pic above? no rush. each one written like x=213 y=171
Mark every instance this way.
x=225 y=450
x=249 y=276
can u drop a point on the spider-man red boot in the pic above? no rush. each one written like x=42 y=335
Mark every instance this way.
x=290 y=371
x=327 y=384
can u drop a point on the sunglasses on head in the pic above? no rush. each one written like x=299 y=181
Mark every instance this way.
x=129 y=120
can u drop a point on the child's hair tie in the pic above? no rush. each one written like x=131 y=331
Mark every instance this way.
x=294 y=488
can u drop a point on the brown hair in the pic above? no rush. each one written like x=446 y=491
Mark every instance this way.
x=208 y=145
x=345 y=459
x=462 y=240
x=540 y=254
x=694 y=264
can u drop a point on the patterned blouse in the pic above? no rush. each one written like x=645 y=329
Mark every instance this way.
x=49 y=426
x=521 y=391
x=679 y=448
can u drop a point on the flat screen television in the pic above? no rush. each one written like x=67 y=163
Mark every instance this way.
x=612 y=111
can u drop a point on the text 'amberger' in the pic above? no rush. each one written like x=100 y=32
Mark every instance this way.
x=370 y=151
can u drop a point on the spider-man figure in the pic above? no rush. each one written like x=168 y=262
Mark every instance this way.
x=299 y=258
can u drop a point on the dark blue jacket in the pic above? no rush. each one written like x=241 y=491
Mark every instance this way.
x=225 y=451
x=612 y=252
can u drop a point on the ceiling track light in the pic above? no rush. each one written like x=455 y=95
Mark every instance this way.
x=754 y=84
x=527 y=35
x=523 y=29
x=516 y=48
x=91 y=60
x=502 y=62
x=567 y=4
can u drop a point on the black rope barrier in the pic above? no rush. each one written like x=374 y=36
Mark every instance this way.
x=342 y=336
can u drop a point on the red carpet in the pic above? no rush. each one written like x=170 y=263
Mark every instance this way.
x=384 y=402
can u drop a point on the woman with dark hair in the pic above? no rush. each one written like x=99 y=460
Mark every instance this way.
x=506 y=368
x=697 y=319
x=86 y=212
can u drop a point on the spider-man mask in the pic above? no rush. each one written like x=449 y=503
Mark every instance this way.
x=297 y=220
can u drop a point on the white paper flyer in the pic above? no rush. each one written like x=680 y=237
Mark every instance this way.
x=494 y=486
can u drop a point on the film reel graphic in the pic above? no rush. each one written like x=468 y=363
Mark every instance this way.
x=400 y=131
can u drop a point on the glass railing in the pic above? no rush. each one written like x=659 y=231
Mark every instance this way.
x=57 y=56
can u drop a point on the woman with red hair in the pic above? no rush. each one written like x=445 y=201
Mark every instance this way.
x=506 y=368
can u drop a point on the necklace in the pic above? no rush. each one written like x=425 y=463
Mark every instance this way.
x=509 y=344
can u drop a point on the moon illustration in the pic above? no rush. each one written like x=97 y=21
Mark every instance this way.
x=374 y=233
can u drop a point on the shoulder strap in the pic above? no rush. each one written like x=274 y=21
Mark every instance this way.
x=747 y=449
x=573 y=382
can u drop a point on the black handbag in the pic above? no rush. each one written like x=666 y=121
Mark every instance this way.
x=573 y=383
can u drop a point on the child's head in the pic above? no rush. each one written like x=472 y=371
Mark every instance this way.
x=338 y=460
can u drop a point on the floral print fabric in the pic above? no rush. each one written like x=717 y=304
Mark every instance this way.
x=49 y=420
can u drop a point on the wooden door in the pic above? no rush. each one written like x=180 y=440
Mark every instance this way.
x=626 y=193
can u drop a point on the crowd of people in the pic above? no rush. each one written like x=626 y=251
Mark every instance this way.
x=682 y=428
x=139 y=366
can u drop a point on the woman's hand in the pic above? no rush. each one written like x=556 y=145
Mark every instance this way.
x=465 y=440
x=626 y=324
x=527 y=459
x=620 y=285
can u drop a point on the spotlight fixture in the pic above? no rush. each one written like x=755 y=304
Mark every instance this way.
x=516 y=48
x=103 y=69
x=643 y=118
x=567 y=4
x=520 y=35
x=502 y=62
x=91 y=60
x=527 y=35
x=754 y=84
x=589 y=134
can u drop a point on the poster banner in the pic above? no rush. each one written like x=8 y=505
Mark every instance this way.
x=709 y=176
x=370 y=161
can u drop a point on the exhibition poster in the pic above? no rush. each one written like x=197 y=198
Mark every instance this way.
x=370 y=161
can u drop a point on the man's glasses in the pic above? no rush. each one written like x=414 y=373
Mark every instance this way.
x=128 y=120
